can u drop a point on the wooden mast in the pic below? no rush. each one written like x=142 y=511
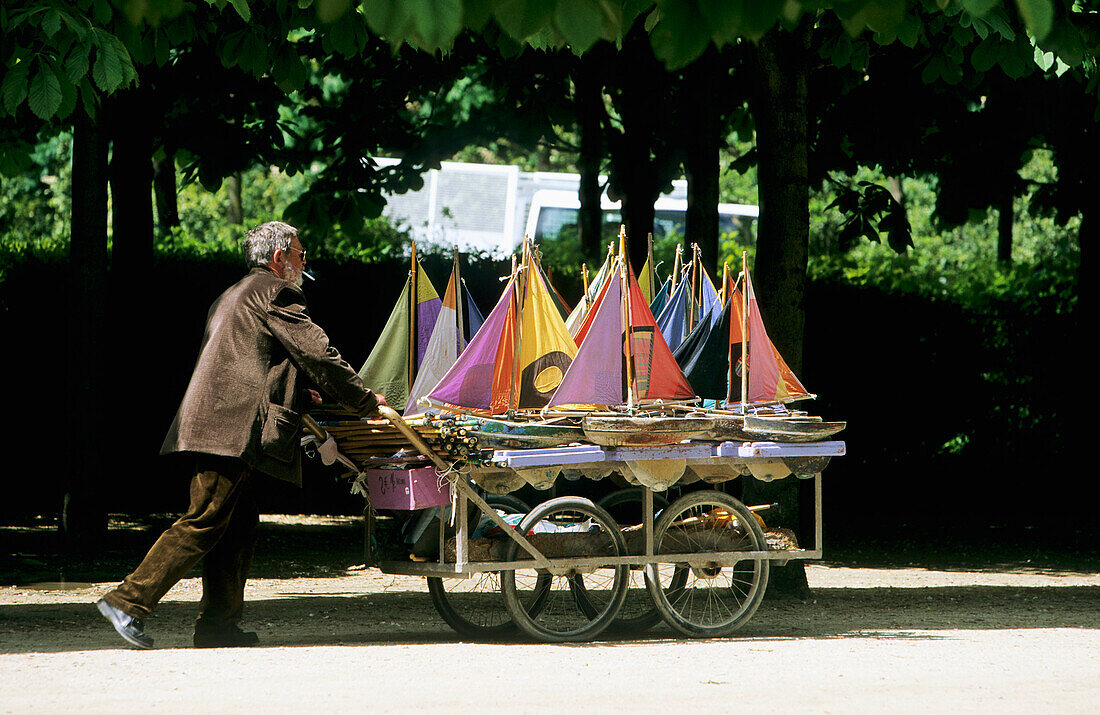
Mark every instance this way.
x=624 y=277
x=412 y=318
x=695 y=279
x=460 y=322
x=652 y=277
x=675 y=270
x=745 y=332
x=517 y=333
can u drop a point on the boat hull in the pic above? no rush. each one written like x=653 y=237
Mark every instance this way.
x=788 y=429
x=642 y=431
x=500 y=434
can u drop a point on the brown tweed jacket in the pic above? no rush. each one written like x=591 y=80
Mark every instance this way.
x=247 y=390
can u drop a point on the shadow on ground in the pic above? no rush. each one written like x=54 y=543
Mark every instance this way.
x=31 y=559
x=408 y=617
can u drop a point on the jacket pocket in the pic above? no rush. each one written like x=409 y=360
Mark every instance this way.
x=280 y=436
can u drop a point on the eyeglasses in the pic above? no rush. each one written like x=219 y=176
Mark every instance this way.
x=301 y=252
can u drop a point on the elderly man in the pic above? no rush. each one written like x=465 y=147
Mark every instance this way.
x=240 y=415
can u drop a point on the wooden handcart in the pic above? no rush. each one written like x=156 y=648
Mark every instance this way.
x=566 y=571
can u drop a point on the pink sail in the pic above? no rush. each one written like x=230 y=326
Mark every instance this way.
x=596 y=375
x=469 y=382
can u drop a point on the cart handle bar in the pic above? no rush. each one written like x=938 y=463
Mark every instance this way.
x=465 y=489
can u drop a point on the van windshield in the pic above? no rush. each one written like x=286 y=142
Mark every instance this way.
x=557 y=223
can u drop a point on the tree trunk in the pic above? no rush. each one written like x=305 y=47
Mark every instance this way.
x=164 y=188
x=701 y=164
x=640 y=152
x=131 y=189
x=131 y=182
x=780 y=113
x=1004 y=231
x=590 y=114
x=234 y=213
x=83 y=512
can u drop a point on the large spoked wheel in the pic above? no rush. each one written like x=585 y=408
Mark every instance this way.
x=575 y=601
x=717 y=597
x=474 y=607
x=637 y=613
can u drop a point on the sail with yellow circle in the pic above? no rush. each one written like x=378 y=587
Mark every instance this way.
x=518 y=357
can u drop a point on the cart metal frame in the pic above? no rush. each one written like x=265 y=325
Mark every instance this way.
x=739 y=456
x=590 y=455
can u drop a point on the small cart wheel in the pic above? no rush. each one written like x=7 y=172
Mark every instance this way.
x=474 y=606
x=638 y=613
x=575 y=600
x=718 y=597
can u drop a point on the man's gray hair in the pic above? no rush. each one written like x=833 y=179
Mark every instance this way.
x=261 y=242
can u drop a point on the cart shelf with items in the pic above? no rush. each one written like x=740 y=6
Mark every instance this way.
x=566 y=571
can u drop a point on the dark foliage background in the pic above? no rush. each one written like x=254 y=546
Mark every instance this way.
x=957 y=419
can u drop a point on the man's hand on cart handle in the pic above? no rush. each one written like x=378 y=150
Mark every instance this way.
x=381 y=403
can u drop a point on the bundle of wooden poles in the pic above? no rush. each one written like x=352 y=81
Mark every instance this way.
x=371 y=442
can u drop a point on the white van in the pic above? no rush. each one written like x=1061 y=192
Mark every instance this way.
x=555 y=214
x=489 y=207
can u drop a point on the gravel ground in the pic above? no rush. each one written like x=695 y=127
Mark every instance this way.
x=336 y=636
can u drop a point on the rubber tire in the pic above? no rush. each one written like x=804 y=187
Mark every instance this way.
x=596 y=619
x=756 y=576
x=443 y=599
x=645 y=619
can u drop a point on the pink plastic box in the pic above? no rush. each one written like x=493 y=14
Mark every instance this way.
x=407 y=488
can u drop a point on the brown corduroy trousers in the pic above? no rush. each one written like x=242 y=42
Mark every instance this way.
x=220 y=529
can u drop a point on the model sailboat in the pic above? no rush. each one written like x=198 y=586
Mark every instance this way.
x=391 y=367
x=447 y=341
x=591 y=290
x=399 y=355
x=519 y=356
x=692 y=302
x=623 y=362
x=733 y=362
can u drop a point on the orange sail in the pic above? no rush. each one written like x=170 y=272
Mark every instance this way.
x=770 y=380
x=518 y=358
x=595 y=377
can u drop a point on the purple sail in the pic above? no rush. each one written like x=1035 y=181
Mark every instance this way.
x=469 y=382
x=595 y=376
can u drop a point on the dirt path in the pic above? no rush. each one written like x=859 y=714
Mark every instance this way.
x=872 y=639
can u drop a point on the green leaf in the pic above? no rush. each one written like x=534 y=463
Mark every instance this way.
x=680 y=36
x=332 y=10
x=1038 y=16
x=723 y=18
x=908 y=32
x=68 y=98
x=979 y=8
x=758 y=16
x=523 y=18
x=288 y=71
x=241 y=6
x=437 y=22
x=581 y=23
x=14 y=88
x=391 y=19
x=88 y=97
x=108 y=71
x=51 y=23
x=883 y=15
x=76 y=64
x=986 y=54
x=476 y=13
x=341 y=36
x=254 y=54
x=44 y=93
